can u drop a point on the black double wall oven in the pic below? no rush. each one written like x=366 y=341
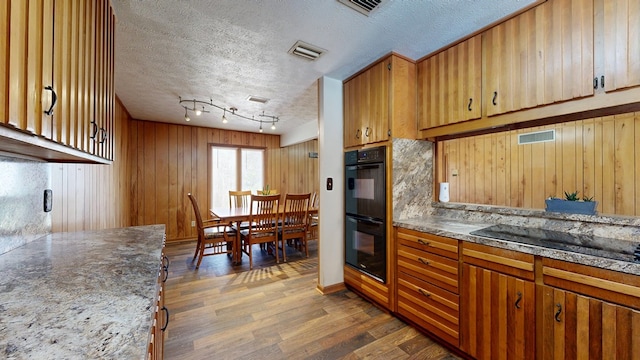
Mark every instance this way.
x=365 y=205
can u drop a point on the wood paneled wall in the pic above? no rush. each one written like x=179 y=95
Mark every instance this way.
x=598 y=157
x=168 y=161
x=91 y=197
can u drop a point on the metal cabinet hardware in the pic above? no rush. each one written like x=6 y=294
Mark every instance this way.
x=422 y=242
x=423 y=261
x=367 y=132
x=495 y=97
x=518 y=300
x=54 y=99
x=166 y=314
x=358 y=134
x=470 y=102
x=558 y=312
x=424 y=293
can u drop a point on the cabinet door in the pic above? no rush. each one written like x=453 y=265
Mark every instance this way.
x=104 y=85
x=376 y=124
x=542 y=56
x=30 y=42
x=4 y=64
x=449 y=85
x=497 y=315
x=352 y=132
x=621 y=32
x=580 y=327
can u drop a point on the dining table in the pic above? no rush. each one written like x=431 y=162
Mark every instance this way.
x=238 y=215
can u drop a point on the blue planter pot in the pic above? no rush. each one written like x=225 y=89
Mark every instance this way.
x=571 y=207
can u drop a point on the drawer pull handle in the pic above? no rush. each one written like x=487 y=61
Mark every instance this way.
x=423 y=261
x=495 y=96
x=358 y=134
x=422 y=242
x=558 y=313
x=470 y=102
x=518 y=300
x=165 y=267
x=424 y=293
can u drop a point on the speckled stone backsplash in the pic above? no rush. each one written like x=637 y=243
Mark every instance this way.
x=412 y=178
x=22 y=218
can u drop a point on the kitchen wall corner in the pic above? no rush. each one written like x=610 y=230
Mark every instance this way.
x=22 y=217
x=412 y=168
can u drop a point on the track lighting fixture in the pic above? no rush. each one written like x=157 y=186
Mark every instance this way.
x=193 y=103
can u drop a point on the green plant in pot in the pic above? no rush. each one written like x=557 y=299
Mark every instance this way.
x=265 y=190
x=571 y=204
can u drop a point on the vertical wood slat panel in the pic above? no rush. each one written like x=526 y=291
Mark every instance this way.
x=597 y=157
x=185 y=151
x=90 y=197
x=17 y=89
x=4 y=59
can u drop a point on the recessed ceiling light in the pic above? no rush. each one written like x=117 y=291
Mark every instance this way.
x=306 y=51
x=257 y=99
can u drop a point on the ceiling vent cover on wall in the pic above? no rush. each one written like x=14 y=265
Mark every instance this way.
x=364 y=7
x=537 y=137
x=307 y=51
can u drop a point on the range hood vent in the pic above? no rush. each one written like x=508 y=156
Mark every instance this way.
x=537 y=137
x=364 y=7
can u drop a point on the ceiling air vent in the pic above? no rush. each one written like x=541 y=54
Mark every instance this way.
x=364 y=7
x=306 y=51
x=537 y=137
x=257 y=99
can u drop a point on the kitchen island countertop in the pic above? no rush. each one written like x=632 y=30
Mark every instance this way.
x=461 y=229
x=80 y=295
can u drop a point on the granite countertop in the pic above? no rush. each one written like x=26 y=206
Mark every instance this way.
x=80 y=295
x=460 y=229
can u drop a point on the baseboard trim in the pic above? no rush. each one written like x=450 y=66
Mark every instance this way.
x=326 y=290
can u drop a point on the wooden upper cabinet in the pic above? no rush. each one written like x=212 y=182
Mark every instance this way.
x=621 y=40
x=450 y=85
x=540 y=57
x=379 y=103
x=59 y=71
x=28 y=39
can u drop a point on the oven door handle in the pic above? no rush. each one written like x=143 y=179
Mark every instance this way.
x=364 y=167
x=366 y=220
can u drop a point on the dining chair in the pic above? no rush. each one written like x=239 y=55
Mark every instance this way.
x=294 y=221
x=264 y=225
x=312 y=229
x=239 y=198
x=213 y=235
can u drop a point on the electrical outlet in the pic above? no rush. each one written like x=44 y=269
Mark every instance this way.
x=193 y=223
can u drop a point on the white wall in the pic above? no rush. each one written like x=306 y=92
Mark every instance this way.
x=331 y=161
x=302 y=133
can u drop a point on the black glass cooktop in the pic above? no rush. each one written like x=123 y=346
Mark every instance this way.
x=579 y=243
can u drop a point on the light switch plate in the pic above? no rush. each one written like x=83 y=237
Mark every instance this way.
x=48 y=200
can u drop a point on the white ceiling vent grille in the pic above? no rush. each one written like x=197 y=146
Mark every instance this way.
x=306 y=51
x=364 y=7
x=537 y=137
x=257 y=99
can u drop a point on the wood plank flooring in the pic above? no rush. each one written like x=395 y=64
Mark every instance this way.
x=275 y=312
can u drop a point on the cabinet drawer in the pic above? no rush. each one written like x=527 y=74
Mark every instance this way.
x=430 y=307
x=508 y=262
x=435 y=269
x=608 y=285
x=428 y=242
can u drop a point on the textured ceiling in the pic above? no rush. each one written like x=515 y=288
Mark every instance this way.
x=227 y=50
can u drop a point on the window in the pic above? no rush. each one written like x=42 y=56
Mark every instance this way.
x=235 y=169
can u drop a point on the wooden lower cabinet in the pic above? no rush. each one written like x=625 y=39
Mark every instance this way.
x=497 y=315
x=368 y=287
x=427 y=286
x=582 y=327
x=160 y=317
